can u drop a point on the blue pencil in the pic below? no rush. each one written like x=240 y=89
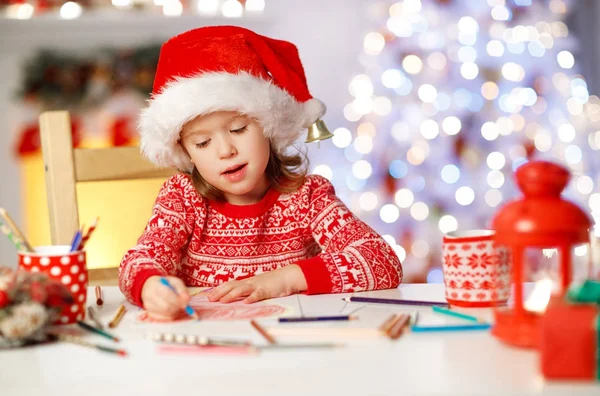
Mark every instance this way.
x=76 y=241
x=423 y=329
x=189 y=310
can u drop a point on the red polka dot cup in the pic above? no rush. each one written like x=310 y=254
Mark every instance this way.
x=476 y=270
x=69 y=268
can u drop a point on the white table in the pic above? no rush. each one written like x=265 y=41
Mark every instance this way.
x=444 y=363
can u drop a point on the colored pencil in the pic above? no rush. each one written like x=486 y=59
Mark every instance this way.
x=448 y=312
x=317 y=318
x=88 y=234
x=423 y=329
x=75 y=241
x=399 y=327
x=263 y=332
x=97 y=331
x=118 y=316
x=387 y=324
x=94 y=318
x=393 y=301
x=16 y=232
x=188 y=309
x=99 y=300
x=206 y=349
x=79 y=341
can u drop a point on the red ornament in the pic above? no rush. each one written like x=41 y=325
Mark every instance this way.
x=3 y=298
x=123 y=131
x=29 y=141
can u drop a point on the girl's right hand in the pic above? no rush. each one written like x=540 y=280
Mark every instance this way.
x=161 y=302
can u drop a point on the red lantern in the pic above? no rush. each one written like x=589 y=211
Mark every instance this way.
x=540 y=220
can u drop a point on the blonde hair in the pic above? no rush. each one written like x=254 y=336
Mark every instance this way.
x=286 y=173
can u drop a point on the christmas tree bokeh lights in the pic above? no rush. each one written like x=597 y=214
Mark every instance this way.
x=454 y=95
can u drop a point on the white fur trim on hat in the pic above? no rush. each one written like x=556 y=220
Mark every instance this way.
x=281 y=116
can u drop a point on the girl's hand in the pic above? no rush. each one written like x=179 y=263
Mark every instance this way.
x=161 y=302
x=277 y=283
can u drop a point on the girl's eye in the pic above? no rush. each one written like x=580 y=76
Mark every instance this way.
x=240 y=130
x=202 y=144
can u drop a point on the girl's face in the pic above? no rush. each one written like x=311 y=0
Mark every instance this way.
x=230 y=152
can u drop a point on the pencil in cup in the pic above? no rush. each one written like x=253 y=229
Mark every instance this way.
x=459 y=315
x=118 y=316
x=88 y=234
x=188 y=309
x=14 y=234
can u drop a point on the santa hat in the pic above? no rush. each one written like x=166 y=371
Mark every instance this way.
x=225 y=68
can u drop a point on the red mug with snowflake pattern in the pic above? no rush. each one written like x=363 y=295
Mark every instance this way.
x=476 y=269
x=69 y=268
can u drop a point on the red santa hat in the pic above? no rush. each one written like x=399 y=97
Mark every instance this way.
x=225 y=68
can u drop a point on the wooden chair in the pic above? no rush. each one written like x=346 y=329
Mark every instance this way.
x=66 y=166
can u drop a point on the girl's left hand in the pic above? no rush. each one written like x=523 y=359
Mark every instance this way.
x=277 y=283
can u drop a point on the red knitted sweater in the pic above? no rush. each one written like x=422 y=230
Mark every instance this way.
x=206 y=243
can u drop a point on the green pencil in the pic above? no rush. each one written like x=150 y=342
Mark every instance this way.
x=97 y=331
x=456 y=314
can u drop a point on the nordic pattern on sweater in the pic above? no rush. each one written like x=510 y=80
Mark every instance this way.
x=206 y=243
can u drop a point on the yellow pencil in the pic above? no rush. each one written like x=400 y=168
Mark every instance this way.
x=120 y=312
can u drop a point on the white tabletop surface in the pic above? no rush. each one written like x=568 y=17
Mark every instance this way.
x=461 y=363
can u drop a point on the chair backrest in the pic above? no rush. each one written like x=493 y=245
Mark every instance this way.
x=66 y=166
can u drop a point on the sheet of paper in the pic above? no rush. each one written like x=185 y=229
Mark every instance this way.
x=207 y=310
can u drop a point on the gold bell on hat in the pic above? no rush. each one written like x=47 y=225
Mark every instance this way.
x=318 y=131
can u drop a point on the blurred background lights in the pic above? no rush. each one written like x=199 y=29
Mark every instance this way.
x=389 y=213
x=493 y=198
x=450 y=173
x=368 y=201
x=230 y=9
x=398 y=169
x=412 y=64
x=324 y=171
x=404 y=198
x=585 y=185
x=342 y=137
x=573 y=154
x=565 y=59
x=496 y=160
x=495 y=179
x=392 y=78
x=566 y=133
x=420 y=248
x=465 y=195
x=361 y=169
x=427 y=93
x=419 y=211
x=447 y=223
x=361 y=86
x=451 y=125
x=363 y=144
x=373 y=43
x=429 y=129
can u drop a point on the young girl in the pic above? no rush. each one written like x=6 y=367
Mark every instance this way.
x=242 y=216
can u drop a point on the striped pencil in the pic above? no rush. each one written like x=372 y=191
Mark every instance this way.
x=14 y=230
x=88 y=234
